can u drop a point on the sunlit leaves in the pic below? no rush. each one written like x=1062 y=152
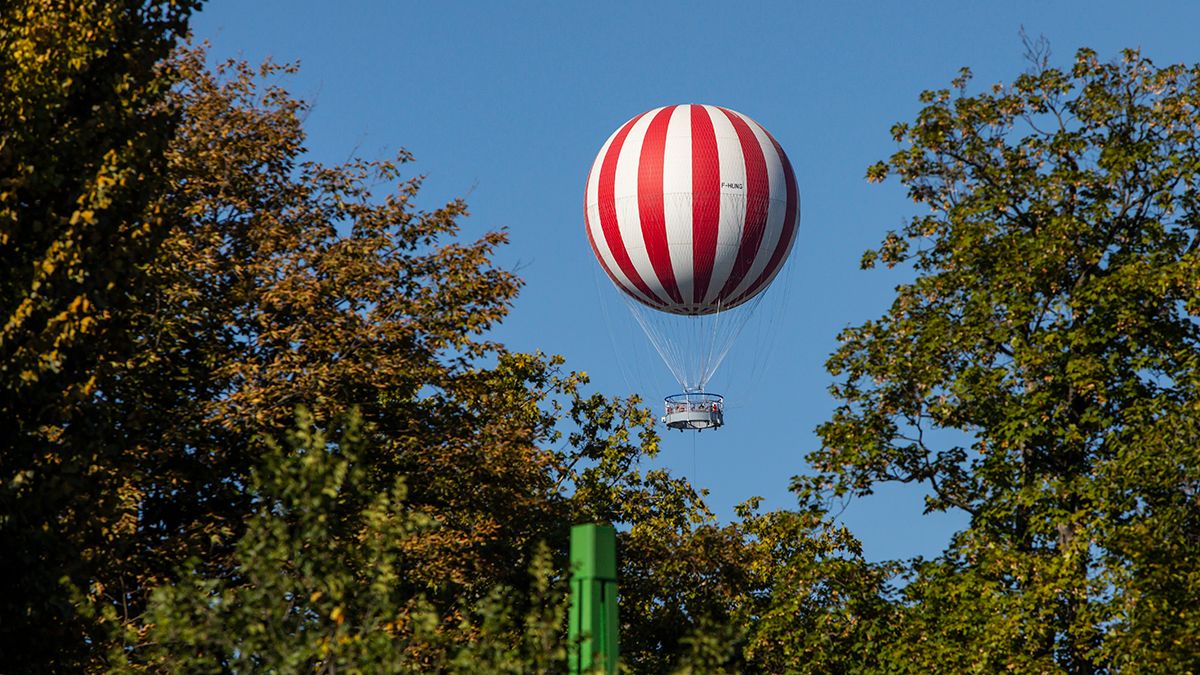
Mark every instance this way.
x=1051 y=325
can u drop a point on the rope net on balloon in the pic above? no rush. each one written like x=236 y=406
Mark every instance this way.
x=693 y=347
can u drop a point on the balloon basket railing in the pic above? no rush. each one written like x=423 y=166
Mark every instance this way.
x=694 y=410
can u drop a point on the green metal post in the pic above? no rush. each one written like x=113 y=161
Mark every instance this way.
x=592 y=627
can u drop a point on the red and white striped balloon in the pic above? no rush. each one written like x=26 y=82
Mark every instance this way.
x=691 y=209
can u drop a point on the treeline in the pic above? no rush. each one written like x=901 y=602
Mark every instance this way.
x=253 y=420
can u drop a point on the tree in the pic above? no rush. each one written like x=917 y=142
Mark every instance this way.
x=287 y=283
x=82 y=134
x=780 y=591
x=1041 y=372
x=321 y=583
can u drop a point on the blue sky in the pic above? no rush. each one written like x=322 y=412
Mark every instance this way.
x=506 y=104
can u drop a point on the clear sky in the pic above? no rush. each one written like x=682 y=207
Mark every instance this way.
x=507 y=103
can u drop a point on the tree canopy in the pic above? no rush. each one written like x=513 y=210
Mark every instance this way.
x=1041 y=371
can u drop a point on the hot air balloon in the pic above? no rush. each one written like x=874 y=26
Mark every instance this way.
x=691 y=210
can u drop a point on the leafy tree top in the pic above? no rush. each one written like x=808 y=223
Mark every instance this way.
x=1041 y=372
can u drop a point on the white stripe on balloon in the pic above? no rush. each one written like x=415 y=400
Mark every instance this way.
x=625 y=198
x=677 y=198
x=594 y=223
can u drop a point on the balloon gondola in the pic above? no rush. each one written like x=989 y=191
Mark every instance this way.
x=691 y=211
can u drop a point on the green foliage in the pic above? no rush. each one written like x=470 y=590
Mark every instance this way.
x=1041 y=373
x=821 y=608
x=781 y=591
x=316 y=583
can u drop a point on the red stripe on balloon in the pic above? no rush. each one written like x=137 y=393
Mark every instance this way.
x=608 y=212
x=791 y=221
x=758 y=199
x=596 y=252
x=706 y=201
x=650 y=201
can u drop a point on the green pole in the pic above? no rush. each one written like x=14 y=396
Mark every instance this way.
x=593 y=623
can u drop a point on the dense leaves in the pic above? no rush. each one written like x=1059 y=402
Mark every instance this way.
x=1041 y=373
x=321 y=582
x=83 y=130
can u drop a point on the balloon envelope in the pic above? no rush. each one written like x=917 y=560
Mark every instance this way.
x=691 y=209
